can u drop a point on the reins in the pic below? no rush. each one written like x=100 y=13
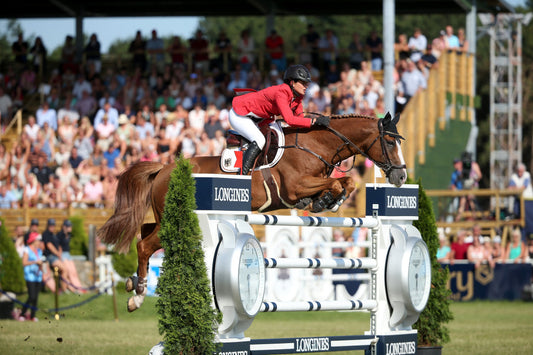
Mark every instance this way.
x=387 y=166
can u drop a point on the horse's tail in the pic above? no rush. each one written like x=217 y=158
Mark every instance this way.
x=133 y=198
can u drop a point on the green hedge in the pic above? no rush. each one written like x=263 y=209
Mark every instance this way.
x=186 y=318
x=11 y=271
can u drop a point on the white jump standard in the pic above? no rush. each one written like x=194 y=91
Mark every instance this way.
x=399 y=282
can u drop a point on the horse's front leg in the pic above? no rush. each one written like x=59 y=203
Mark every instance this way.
x=145 y=248
x=329 y=191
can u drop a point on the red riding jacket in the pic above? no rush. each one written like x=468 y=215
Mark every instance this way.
x=272 y=101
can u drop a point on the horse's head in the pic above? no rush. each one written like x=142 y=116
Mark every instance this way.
x=387 y=155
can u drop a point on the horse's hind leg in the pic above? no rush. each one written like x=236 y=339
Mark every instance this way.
x=145 y=248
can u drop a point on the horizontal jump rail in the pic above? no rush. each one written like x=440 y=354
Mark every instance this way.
x=310 y=306
x=308 y=221
x=317 y=263
x=312 y=344
x=362 y=244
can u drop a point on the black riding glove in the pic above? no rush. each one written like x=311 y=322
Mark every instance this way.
x=322 y=121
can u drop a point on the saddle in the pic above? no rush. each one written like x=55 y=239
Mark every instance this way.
x=231 y=157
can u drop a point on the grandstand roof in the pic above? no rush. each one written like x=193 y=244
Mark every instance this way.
x=144 y=8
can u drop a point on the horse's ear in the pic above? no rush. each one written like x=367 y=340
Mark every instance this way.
x=396 y=119
x=387 y=118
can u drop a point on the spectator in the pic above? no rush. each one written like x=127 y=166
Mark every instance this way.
x=246 y=49
x=6 y=107
x=459 y=247
x=444 y=251
x=138 y=50
x=65 y=237
x=155 y=47
x=42 y=171
x=53 y=251
x=7 y=199
x=274 y=46
x=197 y=119
x=68 y=56
x=213 y=124
x=412 y=81
x=33 y=274
x=466 y=176
x=110 y=112
x=144 y=127
x=177 y=51
x=104 y=133
x=452 y=42
x=87 y=105
x=66 y=132
x=329 y=46
x=338 y=237
x=165 y=100
x=188 y=143
x=516 y=250
x=92 y=53
x=313 y=38
x=109 y=186
x=204 y=146
x=401 y=48
x=39 y=56
x=463 y=42
x=224 y=48
x=20 y=51
x=5 y=162
x=356 y=50
x=32 y=191
x=74 y=159
x=32 y=128
x=477 y=253
x=61 y=155
x=374 y=45
x=112 y=153
x=219 y=143
x=93 y=192
x=521 y=180
x=199 y=48
x=417 y=45
x=65 y=173
x=497 y=251
x=304 y=50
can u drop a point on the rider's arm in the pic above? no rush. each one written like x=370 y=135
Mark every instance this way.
x=282 y=101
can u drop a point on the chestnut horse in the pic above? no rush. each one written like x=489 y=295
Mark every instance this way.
x=300 y=180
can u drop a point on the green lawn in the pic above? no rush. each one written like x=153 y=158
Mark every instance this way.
x=478 y=328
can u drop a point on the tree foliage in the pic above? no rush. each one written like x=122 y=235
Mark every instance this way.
x=430 y=325
x=186 y=318
x=11 y=271
x=79 y=244
x=126 y=264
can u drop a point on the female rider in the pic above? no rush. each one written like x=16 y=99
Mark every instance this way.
x=261 y=107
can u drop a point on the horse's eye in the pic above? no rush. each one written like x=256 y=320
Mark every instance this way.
x=391 y=143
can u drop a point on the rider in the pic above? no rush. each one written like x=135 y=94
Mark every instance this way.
x=261 y=107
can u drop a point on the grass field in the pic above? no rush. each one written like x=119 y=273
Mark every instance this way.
x=478 y=328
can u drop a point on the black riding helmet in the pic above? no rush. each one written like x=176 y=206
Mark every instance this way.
x=297 y=72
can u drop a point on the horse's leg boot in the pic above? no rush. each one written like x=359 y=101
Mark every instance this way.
x=131 y=283
x=249 y=157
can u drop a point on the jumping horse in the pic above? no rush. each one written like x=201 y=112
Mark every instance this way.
x=299 y=180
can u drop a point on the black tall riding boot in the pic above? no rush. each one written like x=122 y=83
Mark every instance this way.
x=249 y=157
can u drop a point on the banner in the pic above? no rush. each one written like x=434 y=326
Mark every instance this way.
x=504 y=282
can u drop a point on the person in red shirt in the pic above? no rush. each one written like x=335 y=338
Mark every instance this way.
x=261 y=107
x=459 y=247
x=275 y=47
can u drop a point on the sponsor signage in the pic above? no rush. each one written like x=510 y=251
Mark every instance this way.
x=385 y=200
x=217 y=192
x=401 y=344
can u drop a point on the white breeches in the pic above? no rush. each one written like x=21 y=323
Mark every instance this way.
x=247 y=128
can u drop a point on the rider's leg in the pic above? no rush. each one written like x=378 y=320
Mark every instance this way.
x=247 y=128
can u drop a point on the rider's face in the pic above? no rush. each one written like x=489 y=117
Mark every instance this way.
x=300 y=87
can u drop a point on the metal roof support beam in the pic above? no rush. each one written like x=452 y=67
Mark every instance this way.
x=388 y=53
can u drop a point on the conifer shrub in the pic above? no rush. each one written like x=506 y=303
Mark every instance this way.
x=186 y=319
x=430 y=325
x=11 y=271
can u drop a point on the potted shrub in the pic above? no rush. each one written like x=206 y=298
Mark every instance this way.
x=432 y=333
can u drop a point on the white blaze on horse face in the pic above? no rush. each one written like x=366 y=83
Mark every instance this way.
x=400 y=154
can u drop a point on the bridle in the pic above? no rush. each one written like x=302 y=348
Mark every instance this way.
x=386 y=166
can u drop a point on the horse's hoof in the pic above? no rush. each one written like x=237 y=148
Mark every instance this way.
x=318 y=206
x=131 y=283
x=131 y=305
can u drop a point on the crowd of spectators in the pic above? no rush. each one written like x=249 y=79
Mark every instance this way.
x=94 y=121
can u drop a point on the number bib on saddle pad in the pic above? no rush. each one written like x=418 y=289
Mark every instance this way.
x=231 y=157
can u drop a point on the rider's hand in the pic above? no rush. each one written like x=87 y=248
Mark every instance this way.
x=322 y=121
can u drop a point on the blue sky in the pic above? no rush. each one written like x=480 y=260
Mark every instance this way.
x=53 y=31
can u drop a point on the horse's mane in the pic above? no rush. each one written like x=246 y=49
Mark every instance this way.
x=352 y=115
